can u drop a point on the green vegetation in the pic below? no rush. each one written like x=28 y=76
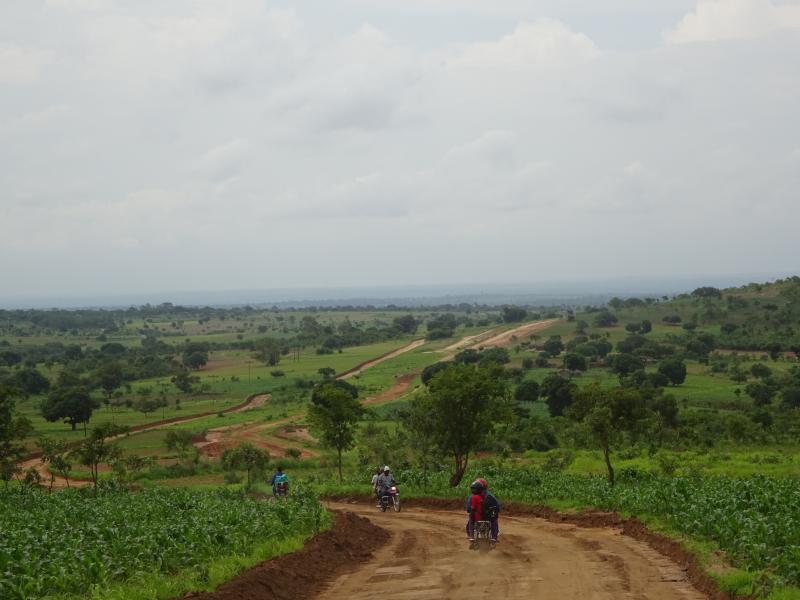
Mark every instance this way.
x=69 y=543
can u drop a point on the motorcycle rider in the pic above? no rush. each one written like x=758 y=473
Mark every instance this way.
x=474 y=508
x=277 y=478
x=384 y=481
x=490 y=509
x=377 y=474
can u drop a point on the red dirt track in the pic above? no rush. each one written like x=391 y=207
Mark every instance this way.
x=421 y=553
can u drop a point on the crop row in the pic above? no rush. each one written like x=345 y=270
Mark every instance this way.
x=71 y=542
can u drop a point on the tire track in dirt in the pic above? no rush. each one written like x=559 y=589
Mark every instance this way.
x=427 y=558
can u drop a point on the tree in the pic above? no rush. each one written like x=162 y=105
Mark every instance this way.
x=55 y=455
x=673 y=369
x=327 y=372
x=558 y=393
x=467 y=356
x=459 y=410
x=180 y=441
x=110 y=377
x=407 y=324
x=195 y=360
x=245 y=457
x=319 y=389
x=608 y=414
x=184 y=381
x=790 y=396
x=431 y=370
x=760 y=392
x=625 y=364
x=494 y=355
x=30 y=382
x=72 y=403
x=575 y=362
x=195 y=354
x=126 y=467
x=98 y=449
x=335 y=413
x=13 y=429
x=514 y=314
x=268 y=351
x=603 y=347
x=707 y=292
x=774 y=350
x=147 y=405
x=646 y=327
x=605 y=318
x=760 y=371
x=442 y=326
x=527 y=391
x=554 y=346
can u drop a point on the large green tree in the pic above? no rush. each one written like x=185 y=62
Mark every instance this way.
x=71 y=403
x=458 y=411
x=609 y=415
x=334 y=412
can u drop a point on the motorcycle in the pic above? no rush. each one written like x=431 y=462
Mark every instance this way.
x=483 y=541
x=281 y=489
x=390 y=498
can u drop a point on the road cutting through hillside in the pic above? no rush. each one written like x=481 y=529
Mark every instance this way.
x=427 y=558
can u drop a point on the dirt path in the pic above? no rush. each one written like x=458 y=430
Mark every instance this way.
x=398 y=389
x=61 y=483
x=285 y=437
x=376 y=361
x=495 y=339
x=427 y=558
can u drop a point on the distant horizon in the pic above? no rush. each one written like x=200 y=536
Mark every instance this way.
x=544 y=293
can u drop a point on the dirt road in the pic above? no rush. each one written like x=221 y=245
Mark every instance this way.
x=494 y=338
x=426 y=558
x=60 y=483
x=376 y=361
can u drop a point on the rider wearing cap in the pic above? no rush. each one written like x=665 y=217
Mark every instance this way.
x=384 y=482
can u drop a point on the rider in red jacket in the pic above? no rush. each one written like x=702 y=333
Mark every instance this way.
x=474 y=508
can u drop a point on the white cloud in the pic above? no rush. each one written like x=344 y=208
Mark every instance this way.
x=546 y=43
x=21 y=66
x=183 y=133
x=715 y=20
x=223 y=161
x=77 y=4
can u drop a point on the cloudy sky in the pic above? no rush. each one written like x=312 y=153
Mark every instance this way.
x=243 y=144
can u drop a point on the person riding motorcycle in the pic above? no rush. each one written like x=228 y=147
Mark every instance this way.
x=482 y=506
x=377 y=474
x=279 y=478
x=384 y=482
x=474 y=508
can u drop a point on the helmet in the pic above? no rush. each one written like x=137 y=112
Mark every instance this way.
x=483 y=483
x=477 y=486
x=386 y=469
